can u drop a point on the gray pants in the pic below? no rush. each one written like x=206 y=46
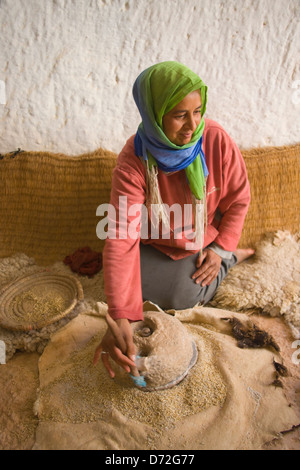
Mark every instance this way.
x=169 y=284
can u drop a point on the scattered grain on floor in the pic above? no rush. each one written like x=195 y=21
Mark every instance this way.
x=85 y=393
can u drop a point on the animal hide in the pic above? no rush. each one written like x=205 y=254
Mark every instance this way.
x=268 y=283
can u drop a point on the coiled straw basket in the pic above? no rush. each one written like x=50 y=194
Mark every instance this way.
x=37 y=300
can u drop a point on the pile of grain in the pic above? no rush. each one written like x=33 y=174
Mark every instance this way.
x=84 y=393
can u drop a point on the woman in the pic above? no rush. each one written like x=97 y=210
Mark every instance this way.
x=177 y=160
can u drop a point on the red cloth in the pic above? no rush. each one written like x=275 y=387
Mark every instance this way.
x=84 y=261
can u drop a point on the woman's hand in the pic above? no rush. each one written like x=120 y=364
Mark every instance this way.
x=109 y=347
x=209 y=264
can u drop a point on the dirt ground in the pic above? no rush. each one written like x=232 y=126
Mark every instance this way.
x=19 y=381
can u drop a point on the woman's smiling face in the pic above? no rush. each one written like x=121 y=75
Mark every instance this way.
x=180 y=123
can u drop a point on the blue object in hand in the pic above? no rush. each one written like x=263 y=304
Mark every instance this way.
x=139 y=381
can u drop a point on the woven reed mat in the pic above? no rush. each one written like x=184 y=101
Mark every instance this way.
x=274 y=175
x=49 y=201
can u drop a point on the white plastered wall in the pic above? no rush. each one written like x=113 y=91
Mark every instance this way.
x=67 y=68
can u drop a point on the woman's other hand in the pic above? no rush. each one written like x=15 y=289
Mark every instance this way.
x=110 y=348
x=208 y=264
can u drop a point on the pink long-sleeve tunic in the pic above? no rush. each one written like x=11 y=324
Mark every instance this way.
x=228 y=198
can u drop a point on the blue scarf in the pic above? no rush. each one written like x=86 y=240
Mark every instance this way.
x=169 y=161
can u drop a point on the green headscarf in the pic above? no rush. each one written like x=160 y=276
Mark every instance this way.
x=156 y=91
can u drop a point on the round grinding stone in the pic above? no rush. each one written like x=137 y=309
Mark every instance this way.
x=165 y=350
